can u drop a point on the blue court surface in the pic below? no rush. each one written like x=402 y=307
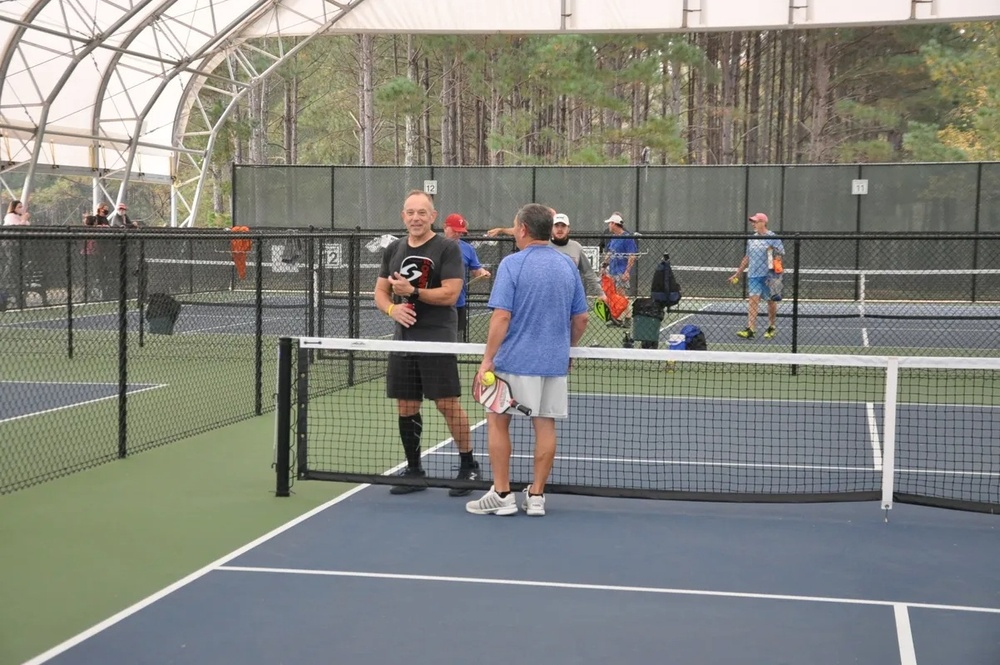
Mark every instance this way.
x=852 y=325
x=377 y=578
x=20 y=399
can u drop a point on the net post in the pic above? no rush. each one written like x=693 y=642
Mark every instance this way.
x=302 y=413
x=282 y=417
x=889 y=434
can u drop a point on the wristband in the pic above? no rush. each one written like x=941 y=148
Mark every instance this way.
x=388 y=312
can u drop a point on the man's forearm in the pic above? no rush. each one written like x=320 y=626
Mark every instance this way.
x=499 y=323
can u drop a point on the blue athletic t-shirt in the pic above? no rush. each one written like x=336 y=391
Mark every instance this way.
x=619 y=249
x=542 y=290
x=471 y=262
x=757 y=253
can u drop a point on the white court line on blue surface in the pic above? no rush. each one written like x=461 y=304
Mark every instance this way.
x=904 y=635
x=218 y=564
x=606 y=587
x=873 y=436
x=709 y=463
x=135 y=391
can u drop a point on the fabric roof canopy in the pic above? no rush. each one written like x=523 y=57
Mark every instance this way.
x=106 y=88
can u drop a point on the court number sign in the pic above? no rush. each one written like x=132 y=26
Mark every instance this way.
x=333 y=255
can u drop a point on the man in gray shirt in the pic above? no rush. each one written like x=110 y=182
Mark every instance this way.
x=571 y=248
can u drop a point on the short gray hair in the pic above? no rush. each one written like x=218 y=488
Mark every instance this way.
x=537 y=219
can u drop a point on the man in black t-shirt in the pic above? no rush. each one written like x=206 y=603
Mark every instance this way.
x=419 y=282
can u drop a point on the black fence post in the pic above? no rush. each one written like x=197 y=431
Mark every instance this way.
x=69 y=299
x=311 y=284
x=797 y=245
x=283 y=415
x=140 y=292
x=122 y=346
x=258 y=378
x=975 y=228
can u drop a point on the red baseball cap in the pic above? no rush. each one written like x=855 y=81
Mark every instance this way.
x=759 y=217
x=456 y=223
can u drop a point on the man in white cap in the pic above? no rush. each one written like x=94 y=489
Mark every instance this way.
x=571 y=248
x=620 y=252
x=455 y=227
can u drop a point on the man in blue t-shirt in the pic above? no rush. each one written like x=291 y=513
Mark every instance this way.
x=759 y=264
x=539 y=312
x=455 y=227
x=620 y=252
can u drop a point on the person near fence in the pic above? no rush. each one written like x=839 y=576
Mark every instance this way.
x=755 y=262
x=619 y=253
x=455 y=227
x=16 y=216
x=539 y=312
x=571 y=248
x=419 y=281
x=121 y=218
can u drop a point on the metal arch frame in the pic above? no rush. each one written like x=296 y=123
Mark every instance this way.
x=198 y=58
x=167 y=76
x=237 y=63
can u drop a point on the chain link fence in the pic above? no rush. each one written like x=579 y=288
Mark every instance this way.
x=116 y=341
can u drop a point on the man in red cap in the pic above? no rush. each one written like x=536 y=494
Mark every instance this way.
x=121 y=218
x=762 y=281
x=455 y=227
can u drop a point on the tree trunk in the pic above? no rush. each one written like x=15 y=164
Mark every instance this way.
x=410 y=146
x=290 y=118
x=366 y=92
x=752 y=154
x=257 y=108
x=426 y=117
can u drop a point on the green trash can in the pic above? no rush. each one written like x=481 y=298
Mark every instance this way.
x=161 y=314
x=161 y=326
x=645 y=328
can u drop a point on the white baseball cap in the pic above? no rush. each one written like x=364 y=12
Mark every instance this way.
x=560 y=218
x=615 y=218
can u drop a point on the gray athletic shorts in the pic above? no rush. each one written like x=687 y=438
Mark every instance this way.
x=546 y=396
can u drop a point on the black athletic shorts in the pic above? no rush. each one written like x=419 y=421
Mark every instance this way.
x=463 y=323
x=416 y=376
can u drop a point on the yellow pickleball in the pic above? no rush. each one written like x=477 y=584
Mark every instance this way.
x=734 y=280
x=489 y=378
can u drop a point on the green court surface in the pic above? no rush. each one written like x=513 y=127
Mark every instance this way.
x=78 y=549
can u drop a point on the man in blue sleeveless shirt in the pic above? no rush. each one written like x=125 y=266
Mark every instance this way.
x=539 y=312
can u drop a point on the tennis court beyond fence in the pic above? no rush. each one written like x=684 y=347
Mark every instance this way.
x=118 y=341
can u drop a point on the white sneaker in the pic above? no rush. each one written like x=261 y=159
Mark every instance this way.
x=492 y=503
x=533 y=505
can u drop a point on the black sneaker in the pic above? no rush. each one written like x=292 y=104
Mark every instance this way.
x=465 y=473
x=409 y=489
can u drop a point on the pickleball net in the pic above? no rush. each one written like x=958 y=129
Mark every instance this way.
x=694 y=425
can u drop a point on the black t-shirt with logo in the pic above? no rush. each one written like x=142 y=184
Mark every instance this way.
x=424 y=267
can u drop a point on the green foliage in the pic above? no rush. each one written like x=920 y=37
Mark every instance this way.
x=922 y=143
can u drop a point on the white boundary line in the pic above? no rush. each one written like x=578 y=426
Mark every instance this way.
x=215 y=565
x=873 y=436
x=607 y=587
x=904 y=635
x=76 y=404
x=201 y=572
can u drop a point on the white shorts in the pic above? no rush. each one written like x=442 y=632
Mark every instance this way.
x=546 y=396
